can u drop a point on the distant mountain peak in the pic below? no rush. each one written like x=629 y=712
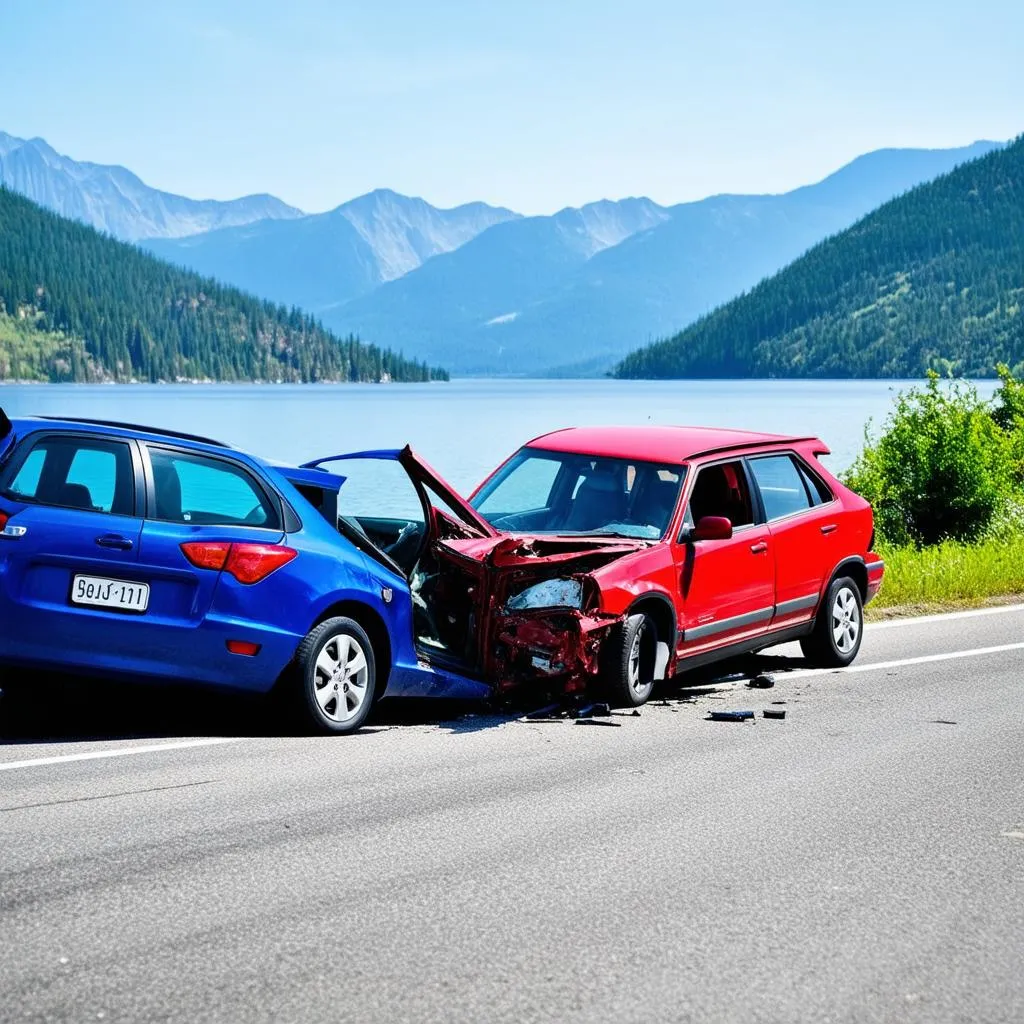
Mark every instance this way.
x=405 y=231
x=115 y=200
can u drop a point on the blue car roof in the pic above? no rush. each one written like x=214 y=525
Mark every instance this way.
x=116 y=428
x=295 y=474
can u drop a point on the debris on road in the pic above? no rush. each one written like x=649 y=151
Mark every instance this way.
x=764 y=681
x=550 y=711
x=598 y=721
x=730 y=716
x=774 y=713
x=592 y=711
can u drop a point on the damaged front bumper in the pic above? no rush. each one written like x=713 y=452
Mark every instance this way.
x=560 y=647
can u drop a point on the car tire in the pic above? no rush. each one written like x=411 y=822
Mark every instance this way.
x=337 y=677
x=627 y=661
x=838 y=628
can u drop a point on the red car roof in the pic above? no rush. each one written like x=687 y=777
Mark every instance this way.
x=654 y=444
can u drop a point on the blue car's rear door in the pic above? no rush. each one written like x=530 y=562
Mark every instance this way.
x=70 y=591
x=199 y=504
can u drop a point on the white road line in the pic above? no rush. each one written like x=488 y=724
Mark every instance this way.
x=96 y=755
x=922 y=660
x=920 y=620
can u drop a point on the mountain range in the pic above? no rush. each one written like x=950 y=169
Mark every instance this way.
x=77 y=305
x=114 y=200
x=933 y=279
x=480 y=288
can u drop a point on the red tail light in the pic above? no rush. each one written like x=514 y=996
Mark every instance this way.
x=248 y=563
x=3 y=519
x=207 y=554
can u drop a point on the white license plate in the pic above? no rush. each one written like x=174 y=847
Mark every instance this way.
x=100 y=592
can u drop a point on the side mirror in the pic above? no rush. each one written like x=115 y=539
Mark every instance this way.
x=712 y=528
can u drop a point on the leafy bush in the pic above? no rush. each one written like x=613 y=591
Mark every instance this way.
x=944 y=467
x=1008 y=412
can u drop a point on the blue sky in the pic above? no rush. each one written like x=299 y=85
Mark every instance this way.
x=533 y=105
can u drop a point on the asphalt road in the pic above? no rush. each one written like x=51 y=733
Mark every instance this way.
x=861 y=861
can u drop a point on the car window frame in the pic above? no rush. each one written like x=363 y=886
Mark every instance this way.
x=26 y=444
x=694 y=469
x=268 y=492
x=808 y=470
x=794 y=456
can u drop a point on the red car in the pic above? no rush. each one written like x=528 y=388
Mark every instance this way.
x=608 y=558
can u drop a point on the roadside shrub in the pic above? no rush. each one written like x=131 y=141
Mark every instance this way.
x=943 y=467
x=1008 y=413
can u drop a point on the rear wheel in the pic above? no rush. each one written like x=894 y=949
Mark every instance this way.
x=337 y=676
x=839 y=627
x=628 y=656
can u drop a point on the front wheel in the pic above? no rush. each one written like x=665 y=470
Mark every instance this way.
x=839 y=627
x=337 y=676
x=628 y=657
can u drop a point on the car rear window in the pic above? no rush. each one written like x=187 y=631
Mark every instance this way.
x=86 y=473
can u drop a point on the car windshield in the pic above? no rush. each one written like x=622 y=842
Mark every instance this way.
x=539 y=491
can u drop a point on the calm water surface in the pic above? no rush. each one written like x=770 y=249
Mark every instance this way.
x=467 y=426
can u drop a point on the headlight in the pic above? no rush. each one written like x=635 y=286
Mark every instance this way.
x=548 y=594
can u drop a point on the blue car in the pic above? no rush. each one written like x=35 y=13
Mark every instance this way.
x=133 y=553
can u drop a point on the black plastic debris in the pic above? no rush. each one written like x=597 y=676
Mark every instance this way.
x=774 y=712
x=598 y=721
x=593 y=711
x=551 y=711
x=762 y=682
x=729 y=716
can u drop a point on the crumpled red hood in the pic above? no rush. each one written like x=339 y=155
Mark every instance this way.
x=519 y=551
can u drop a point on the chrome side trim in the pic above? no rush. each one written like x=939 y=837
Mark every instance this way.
x=796 y=604
x=875 y=565
x=724 y=625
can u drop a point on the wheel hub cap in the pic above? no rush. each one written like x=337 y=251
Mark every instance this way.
x=341 y=678
x=845 y=621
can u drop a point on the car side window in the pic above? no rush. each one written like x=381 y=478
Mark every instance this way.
x=192 y=488
x=782 y=486
x=816 y=488
x=720 y=490
x=86 y=473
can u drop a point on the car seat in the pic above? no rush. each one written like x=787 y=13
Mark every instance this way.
x=74 y=496
x=655 y=504
x=600 y=500
x=168 y=492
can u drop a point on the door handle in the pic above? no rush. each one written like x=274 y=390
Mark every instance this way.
x=829 y=528
x=115 y=541
x=760 y=548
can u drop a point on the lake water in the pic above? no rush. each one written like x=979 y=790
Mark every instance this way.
x=467 y=426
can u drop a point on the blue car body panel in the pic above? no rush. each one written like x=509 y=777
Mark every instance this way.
x=192 y=612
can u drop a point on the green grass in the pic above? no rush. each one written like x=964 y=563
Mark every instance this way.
x=950 y=575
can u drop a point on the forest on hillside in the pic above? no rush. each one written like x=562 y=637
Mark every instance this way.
x=934 y=279
x=76 y=305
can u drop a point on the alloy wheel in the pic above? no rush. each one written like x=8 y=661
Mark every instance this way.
x=636 y=683
x=342 y=674
x=845 y=620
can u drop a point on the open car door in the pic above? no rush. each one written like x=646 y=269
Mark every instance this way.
x=417 y=523
x=427 y=479
x=7 y=437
